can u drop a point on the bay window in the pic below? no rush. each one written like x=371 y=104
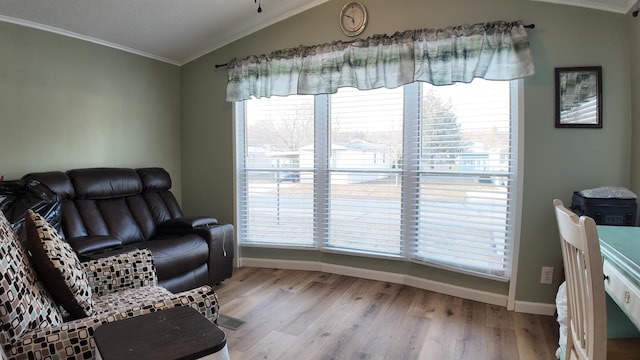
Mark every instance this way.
x=417 y=173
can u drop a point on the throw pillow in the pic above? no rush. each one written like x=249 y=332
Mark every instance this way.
x=58 y=266
x=24 y=304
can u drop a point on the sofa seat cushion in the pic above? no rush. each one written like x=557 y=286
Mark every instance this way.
x=24 y=304
x=131 y=299
x=58 y=266
x=175 y=255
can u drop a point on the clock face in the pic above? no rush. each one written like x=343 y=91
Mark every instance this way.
x=353 y=18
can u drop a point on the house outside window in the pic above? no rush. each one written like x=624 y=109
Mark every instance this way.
x=418 y=173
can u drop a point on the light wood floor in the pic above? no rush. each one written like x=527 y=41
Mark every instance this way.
x=312 y=315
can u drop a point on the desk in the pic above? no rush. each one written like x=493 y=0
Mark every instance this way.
x=620 y=247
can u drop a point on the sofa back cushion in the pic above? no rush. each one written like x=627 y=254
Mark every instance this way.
x=105 y=183
x=160 y=201
x=107 y=201
x=122 y=218
x=24 y=304
x=121 y=203
x=58 y=181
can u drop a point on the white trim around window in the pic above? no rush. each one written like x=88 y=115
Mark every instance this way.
x=386 y=173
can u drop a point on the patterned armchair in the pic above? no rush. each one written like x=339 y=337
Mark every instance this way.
x=33 y=323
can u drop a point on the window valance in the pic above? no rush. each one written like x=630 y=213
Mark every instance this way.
x=493 y=51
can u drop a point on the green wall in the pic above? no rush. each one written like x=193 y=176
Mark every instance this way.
x=67 y=103
x=556 y=161
x=207 y=141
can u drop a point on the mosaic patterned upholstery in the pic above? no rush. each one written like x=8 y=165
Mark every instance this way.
x=143 y=300
x=74 y=340
x=58 y=266
x=24 y=304
x=131 y=299
x=39 y=331
x=124 y=271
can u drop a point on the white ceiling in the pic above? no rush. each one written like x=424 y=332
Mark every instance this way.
x=174 y=31
x=618 y=6
x=177 y=31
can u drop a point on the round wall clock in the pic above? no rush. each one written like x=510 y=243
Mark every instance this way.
x=353 y=18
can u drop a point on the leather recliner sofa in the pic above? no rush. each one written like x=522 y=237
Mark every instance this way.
x=106 y=211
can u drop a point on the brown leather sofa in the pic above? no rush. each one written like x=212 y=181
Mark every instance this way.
x=112 y=210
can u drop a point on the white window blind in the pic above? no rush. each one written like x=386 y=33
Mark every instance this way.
x=275 y=198
x=465 y=164
x=421 y=173
x=365 y=187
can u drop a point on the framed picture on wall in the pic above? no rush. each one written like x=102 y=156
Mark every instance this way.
x=579 y=97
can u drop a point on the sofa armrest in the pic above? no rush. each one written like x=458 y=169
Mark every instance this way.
x=70 y=340
x=74 y=339
x=187 y=223
x=89 y=245
x=119 y=272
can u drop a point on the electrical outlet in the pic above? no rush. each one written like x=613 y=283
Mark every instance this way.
x=546 y=276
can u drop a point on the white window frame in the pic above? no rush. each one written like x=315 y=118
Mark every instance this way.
x=517 y=113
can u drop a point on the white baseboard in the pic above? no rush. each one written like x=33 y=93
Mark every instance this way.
x=457 y=291
x=440 y=287
x=535 y=308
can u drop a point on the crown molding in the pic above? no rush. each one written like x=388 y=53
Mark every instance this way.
x=71 y=34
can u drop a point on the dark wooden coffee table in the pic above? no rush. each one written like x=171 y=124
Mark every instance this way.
x=176 y=333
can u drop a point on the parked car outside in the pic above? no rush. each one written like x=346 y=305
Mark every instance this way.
x=290 y=176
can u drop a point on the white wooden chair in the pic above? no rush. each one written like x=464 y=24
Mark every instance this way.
x=586 y=300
